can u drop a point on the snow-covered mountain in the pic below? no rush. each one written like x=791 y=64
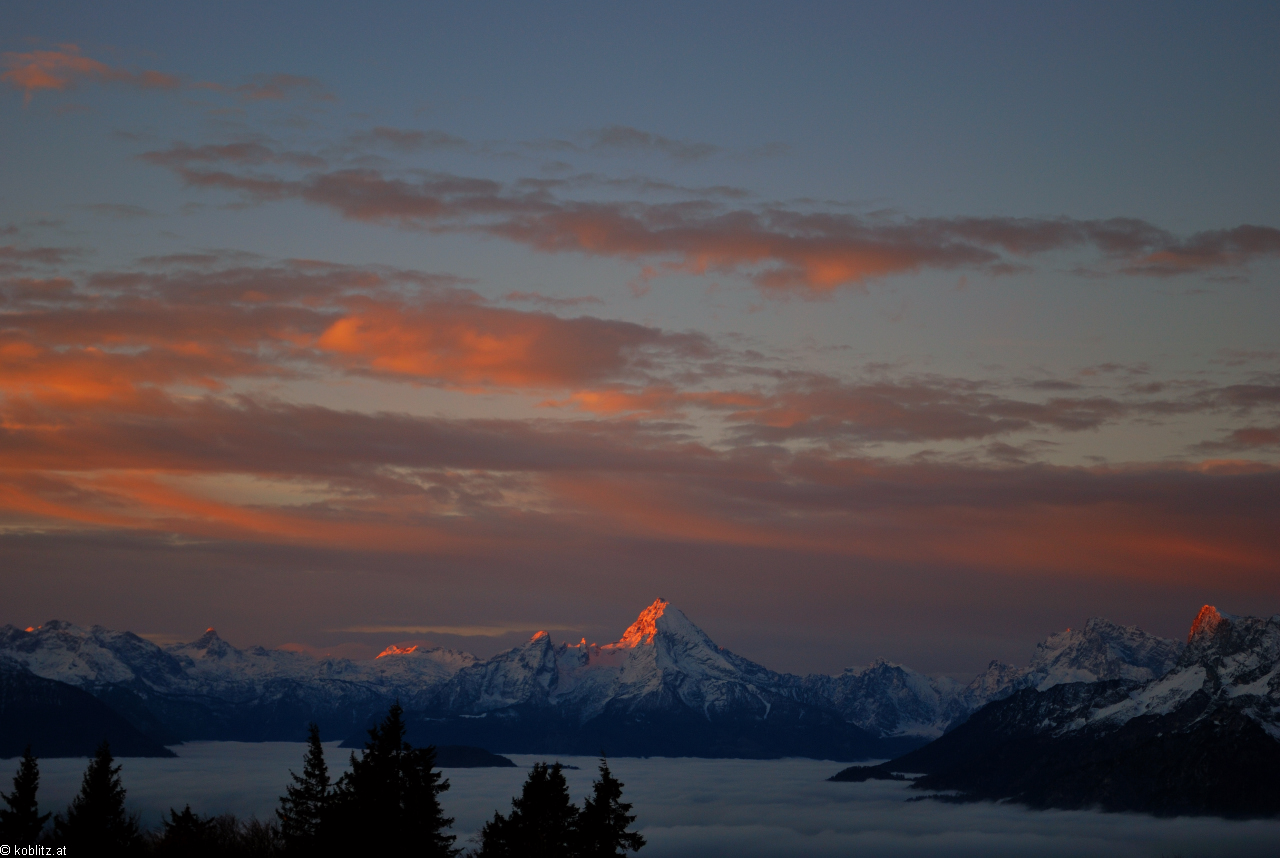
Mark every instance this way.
x=892 y=700
x=208 y=665
x=889 y=699
x=1230 y=664
x=1203 y=737
x=663 y=688
x=661 y=659
x=664 y=678
x=1098 y=652
x=210 y=689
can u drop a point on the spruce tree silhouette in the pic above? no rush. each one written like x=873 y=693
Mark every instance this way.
x=603 y=823
x=96 y=822
x=542 y=824
x=21 y=822
x=390 y=798
x=185 y=834
x=305 y=803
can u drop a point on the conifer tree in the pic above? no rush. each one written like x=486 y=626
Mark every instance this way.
x=602 y=826
x=96 y=821
x=21 y=821
x=186 y=835
x=305 y=803
x=543 y=821
x=391 y=796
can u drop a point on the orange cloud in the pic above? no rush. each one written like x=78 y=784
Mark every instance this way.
x=393 y=482
x=476 y=345
x=120 y=332
x=63 y=68
x=99 y=429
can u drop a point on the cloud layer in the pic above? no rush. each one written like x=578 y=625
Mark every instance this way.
x=687 y=808
x=781 y=249
x=130 y=396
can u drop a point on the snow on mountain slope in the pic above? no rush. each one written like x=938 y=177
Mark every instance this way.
x=662 y=664
x=661 y=660
x=1203 y=738
x=1229 y=663
x=1099 y=652
x=1230 y=666
x=94 y=656
x=888 y=699
x=210 y=667
x=892 y=700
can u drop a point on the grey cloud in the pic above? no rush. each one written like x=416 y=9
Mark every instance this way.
x=780 y=249
x=628 y=139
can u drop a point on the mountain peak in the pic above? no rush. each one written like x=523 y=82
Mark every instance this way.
x=397 y=650
x=211 y=644
x=645 y=626
x=1206 y=623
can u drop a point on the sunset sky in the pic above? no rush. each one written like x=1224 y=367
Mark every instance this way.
x=911 y=330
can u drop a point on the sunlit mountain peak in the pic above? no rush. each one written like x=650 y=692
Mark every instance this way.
x=645 y=626
x=397 y=650
x=1205 y=623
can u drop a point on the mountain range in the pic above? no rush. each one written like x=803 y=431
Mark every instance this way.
x=664 y=688
x=1200 y=738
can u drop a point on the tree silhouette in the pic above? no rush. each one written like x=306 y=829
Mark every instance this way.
x=305 y=803
x=542 y=824
x=390 y=798
x=96 y=820
x=21 y=822
x=605 y=817
x=185 y=834
x=190 y=836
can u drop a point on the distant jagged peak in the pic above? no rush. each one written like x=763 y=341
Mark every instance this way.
x=397 y=650
x=661 y=620
x=1205 y=623
x=1094 y=628
x=879 y=665
x=643 y=630
x=1101 y=650
x=208 y=645
x=1232 y=643
x=207 y=639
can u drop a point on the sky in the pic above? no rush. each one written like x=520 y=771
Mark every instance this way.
x=904 y=330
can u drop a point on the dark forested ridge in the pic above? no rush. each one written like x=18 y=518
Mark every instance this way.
x=1189 y=762
x=470 y=757
x=529 y=730
x=60 y=720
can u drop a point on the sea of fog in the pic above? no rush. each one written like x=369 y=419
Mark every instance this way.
x=693 y=807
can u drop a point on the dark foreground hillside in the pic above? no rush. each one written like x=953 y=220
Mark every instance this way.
x=1223 y=765
x=60 y=720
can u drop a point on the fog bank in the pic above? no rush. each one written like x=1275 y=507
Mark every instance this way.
x=691 y=807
